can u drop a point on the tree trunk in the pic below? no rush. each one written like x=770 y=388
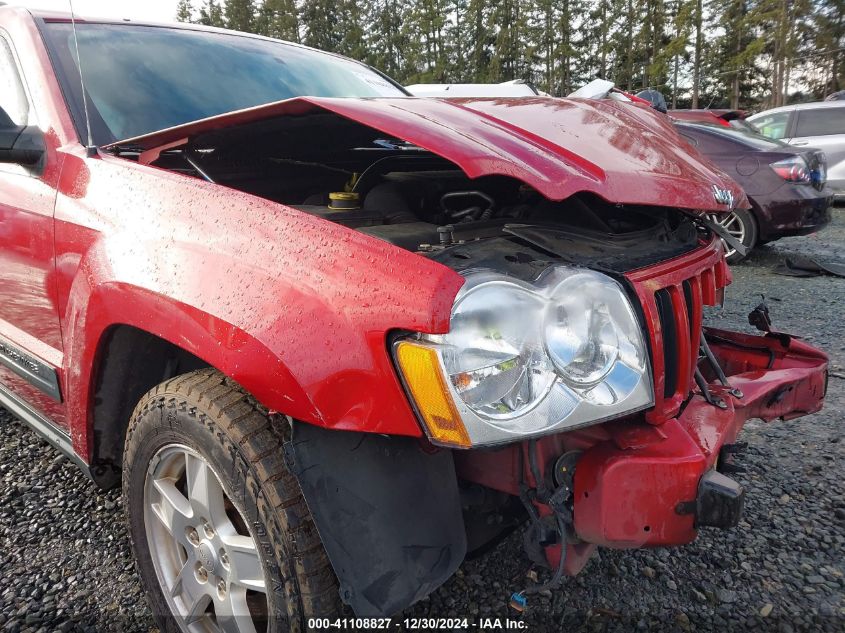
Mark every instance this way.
x=629 y=84
x=737 y=52
x=696 y=68
x=675 y=84
x=604 y=29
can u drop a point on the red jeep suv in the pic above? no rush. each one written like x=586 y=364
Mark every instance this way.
x=331 y=338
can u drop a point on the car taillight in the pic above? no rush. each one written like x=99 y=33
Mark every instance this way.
x=793 y=169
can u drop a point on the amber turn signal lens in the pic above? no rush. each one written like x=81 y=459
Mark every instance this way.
x=425 y=380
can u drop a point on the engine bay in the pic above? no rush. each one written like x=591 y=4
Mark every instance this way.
x=350 y=174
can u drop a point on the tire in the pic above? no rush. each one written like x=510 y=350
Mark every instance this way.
x=183 y=436
x=742 y=225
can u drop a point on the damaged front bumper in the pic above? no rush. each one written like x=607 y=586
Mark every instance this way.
x=393 y=517
x=654 y=485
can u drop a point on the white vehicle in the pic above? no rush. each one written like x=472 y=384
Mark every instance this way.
x=515 y=88
x=820 y=125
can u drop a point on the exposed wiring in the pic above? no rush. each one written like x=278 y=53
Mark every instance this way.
x=518 y=599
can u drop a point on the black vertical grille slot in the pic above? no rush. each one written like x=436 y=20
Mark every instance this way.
x=688 y=302
x=670 y=341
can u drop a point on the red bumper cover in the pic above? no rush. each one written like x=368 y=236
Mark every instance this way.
x=631 y=490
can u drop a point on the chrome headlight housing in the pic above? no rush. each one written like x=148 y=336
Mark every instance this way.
x=524 y=359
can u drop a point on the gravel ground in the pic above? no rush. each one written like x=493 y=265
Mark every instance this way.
x=65 y=563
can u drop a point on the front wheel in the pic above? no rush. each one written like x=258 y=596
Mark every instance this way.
x=220 y=530
x=740 y=223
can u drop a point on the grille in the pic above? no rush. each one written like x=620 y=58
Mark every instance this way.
x=672 y=296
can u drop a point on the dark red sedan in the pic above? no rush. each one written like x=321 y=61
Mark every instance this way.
x=785 y=184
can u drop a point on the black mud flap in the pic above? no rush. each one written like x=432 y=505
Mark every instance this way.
x=389 y=514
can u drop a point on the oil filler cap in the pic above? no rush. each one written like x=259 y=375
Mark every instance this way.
x=344 y=200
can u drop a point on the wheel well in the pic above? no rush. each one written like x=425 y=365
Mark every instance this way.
x=130 y=362
x=756 y=212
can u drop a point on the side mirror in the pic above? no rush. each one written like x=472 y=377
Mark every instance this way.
x=20 y=144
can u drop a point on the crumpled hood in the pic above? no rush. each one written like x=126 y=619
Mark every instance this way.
x=622 y=152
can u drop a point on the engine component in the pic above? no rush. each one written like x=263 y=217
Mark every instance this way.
x=344 y=200
x=467 y=206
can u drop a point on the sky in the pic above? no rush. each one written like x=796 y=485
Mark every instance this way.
x=151 y=10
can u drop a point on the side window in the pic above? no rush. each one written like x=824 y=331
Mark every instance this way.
x=820 y=122
x=12 y=96
x=772 y=125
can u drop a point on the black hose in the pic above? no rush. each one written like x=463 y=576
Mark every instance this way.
x=523 y=490
x=539 y=480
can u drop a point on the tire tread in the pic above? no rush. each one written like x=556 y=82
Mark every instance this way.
x=248 y=430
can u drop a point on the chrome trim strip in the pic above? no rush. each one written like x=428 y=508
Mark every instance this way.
x=54 y=436
x=34 y=370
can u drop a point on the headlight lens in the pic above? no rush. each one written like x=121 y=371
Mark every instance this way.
x=524 y=359
x=494 y=353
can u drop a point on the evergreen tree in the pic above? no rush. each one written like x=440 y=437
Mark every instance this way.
x=824 y=69
x=737 y=53
x=184 y=11
x=480 y=39
x=387 y=48
x=240 y=15
x=508 y=60
x=279 y=19
x=211 y=14
x=427 y=28
x=319 y=24
x=698 y=21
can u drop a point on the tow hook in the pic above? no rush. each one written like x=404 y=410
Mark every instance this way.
x=720 y=501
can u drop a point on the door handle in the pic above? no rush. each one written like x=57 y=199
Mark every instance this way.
x=799 y=143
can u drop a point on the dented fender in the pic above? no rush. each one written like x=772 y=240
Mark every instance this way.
x=294 y=308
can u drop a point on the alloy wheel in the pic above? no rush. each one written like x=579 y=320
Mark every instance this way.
x=734 y=225
x=207 y=562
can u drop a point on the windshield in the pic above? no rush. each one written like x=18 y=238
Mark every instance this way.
x=141 y=79
x=742 y=124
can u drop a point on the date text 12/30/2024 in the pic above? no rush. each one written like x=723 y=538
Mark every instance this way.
x=415 y=624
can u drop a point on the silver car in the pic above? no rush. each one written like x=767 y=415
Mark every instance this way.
x=820 y=125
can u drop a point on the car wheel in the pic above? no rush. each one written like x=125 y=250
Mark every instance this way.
x=741 y=224
x=220 y=530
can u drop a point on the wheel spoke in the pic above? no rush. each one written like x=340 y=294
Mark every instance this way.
x=222 y=580
x=194 y=595
x=245 y=562
x=172 y=509
x=232 y=613
x=204 y=491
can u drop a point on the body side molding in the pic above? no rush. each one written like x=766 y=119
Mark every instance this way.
x=34 y=370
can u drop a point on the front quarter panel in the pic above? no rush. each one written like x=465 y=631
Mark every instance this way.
x=296 y=309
